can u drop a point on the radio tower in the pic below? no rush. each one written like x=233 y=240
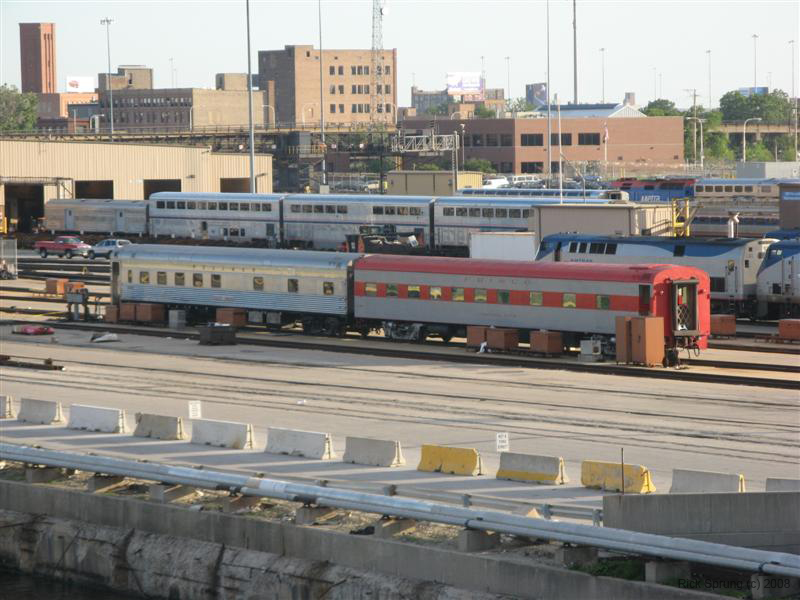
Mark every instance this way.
x=376 y=88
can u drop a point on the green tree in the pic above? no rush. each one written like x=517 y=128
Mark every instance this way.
x=520 y=105
x=478 y=164
x=758 y=152
x=481 y=112
x=440 y=110
x=717 y=146
x=427 y=167
x=17 y=111
x=661 y=108
x=774 y=107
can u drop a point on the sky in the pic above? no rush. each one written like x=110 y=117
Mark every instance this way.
x=653 y=48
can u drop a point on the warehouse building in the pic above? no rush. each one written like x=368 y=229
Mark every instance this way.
x=33 y=172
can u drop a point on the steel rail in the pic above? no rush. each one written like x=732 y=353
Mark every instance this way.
x=746 y=559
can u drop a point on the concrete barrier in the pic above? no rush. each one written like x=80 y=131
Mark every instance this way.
x=40 y=411
x=778 y=484
x=445 y=459
x=224 y=434
x=96 y=418
x=160 y=427
x=608 y=476
x=379 y=453
x=685 y=481
x=294 y=442
x=6 y=408
x=531 y=468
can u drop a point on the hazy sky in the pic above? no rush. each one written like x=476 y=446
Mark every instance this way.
x=642 y=39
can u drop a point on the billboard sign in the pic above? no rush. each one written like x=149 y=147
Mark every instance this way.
x=754 y=91
x=539 y=95
x=79 y=84
x=465 y=84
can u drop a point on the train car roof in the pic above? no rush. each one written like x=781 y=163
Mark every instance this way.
x=648 y=240
x=371 y=198
x=522 y=201
x=532 y=269
x=744 y=181
x=250 y=257
x=223 y=196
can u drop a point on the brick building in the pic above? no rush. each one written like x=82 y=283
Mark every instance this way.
x=432 y=101
x=520 y=145
x=290 y=80
x=37 y=52
x=127 y=77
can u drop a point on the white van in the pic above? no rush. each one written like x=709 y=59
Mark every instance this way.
x=518 y=179
x=493 y=183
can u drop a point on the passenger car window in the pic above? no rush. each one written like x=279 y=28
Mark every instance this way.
x=474 y=212
x=327 y=288
x=513 y=213
x=292 y=286
x=197 y=280
x=435 y=293
x=258 y=283
x=391 y=289
x=480 y=295
x=144 y=277
x=130 y=276
x=603 y=302
x=457 y=294
x=295 y=208
x=161 y=278
x=413 y=291
x=223 y=206
x=461 y=212
x=611 y=248
x=216 y=280
x=503 y=296
x=377 y=210
x=573 y=246
x=179 y=279
x=568 y=300
x=536 y=298
x=370 y=289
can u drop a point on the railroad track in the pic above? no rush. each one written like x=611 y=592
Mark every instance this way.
x=408 y=351
x=75 y=269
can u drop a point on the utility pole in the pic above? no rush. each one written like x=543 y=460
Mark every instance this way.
x=694 y=119
x=321 y=106
x=710 y=103
x=603 y=71
x=755 y=61
x=549 y=120
x=250 y=106
x=575 y=50
x=107 y=22
x=794 y=95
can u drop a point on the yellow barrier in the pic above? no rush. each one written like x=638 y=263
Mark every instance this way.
x=444 y=459
x=609 y=476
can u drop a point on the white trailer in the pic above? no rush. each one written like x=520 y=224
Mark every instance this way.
x=503 y=245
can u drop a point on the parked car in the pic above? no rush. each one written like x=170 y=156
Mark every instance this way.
x=64 y=245
x=106 y=247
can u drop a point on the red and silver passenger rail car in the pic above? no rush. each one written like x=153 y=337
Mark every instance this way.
x=413 y=297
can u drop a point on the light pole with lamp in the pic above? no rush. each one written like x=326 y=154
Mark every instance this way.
x=321 y=105
x=250 y=107
x=702 y=154
x=755 y=62
x=744 y=136
x=710 y=103
x=107 y=22
x=794 y=95
x=603 y=72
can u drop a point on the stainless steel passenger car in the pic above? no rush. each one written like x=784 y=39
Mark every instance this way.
x=779 y=280
x=276 y=286
x=96 y=216
x=216 y=216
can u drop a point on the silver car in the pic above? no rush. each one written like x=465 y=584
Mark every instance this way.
x=106 y=247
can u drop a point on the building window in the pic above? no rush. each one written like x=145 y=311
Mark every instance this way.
x=391 y=290
x=216 y=280
x=197 y=280
x=292 y=286
x=491 y=139
x=180 y=279
x=480 y=295
x=388 y=89
x=370 y=289
x=366 y=70
x=332 y=89
x=144 y=277
x=359 y=70
x=258 y=282
x=341 y=89
x=161 y=278
x=435 y=293
x=588 y=139
x=535 y=298
x=568 y=300
x=532 y=167
x=354 y=108
x=603 y=302
x=506 y=139
x=327 y=288
x=566 y=139
x=341 y=108
x=333 y=108
x=341 y=70
x=532 y=139
x=457 y=294
x=477 y=139
x=387 y=70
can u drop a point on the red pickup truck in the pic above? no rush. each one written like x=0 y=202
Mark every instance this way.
x=64 y=245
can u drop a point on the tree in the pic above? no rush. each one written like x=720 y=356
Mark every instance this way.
x=440 y=110
x=758 y=152
x=17 y=111
x=481 y=112
x=478 y=164
x=774 y=107
x=520 y=105
x=661 y=108
x=428 y=167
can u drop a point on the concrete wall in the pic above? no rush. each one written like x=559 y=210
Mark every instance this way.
x=128 y=165
x=429 y=566
x=763 y=520
x=766 y=170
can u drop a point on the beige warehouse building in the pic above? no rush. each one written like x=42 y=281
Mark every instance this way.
x=33 y=172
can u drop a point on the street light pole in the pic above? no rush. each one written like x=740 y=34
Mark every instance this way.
x=702 y=153
x=250 y=106
x=107 y=22
x=603 y=72
x=744 y=136
x=794 y=95
x=755 y=61
x=549 y=120
x=710 y=102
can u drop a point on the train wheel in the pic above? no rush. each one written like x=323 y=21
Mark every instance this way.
x=331 y=327
x=422 y=335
